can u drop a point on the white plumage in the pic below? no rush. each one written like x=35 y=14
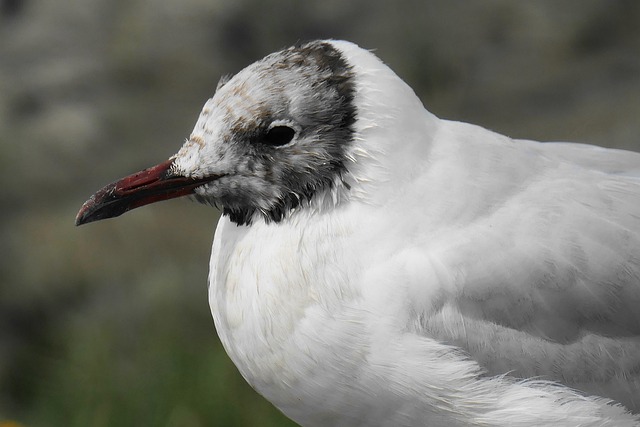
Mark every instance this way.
x=448 y=276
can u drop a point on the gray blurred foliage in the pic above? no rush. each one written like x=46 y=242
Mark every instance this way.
x=108 y=324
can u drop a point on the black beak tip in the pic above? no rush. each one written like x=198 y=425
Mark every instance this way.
x=86 y=214
x=100 y=206
x=97 y=208
x=83 y=218
x=80 y=220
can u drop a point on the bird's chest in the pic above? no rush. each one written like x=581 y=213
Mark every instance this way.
x=282 y=301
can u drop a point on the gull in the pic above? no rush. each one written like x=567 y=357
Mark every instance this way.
x=375 y=265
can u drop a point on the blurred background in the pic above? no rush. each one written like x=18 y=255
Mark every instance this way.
x=109 y=324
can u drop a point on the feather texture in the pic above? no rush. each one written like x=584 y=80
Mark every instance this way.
x=456 y=277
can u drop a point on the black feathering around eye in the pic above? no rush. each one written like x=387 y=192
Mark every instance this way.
x=291 y=148
x=279 y=135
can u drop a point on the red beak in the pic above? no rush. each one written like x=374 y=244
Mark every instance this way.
x=148 y=186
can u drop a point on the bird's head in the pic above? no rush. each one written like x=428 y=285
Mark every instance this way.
x=312 y=125
x=272 y=138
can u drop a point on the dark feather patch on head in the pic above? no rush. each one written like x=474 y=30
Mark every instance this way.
x=308 y=89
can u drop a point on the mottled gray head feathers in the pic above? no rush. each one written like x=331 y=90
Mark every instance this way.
x=277 y=133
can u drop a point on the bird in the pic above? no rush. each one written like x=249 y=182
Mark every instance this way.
x=375 y=265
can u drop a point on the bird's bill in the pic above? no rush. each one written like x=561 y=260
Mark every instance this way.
x=151 y=185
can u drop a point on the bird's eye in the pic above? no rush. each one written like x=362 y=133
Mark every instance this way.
x=279 y=135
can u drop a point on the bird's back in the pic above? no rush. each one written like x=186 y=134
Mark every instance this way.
x=536 y=250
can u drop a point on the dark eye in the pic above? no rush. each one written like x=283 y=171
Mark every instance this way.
x=279 y=135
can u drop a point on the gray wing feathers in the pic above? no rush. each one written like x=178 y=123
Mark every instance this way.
x=553 y=286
